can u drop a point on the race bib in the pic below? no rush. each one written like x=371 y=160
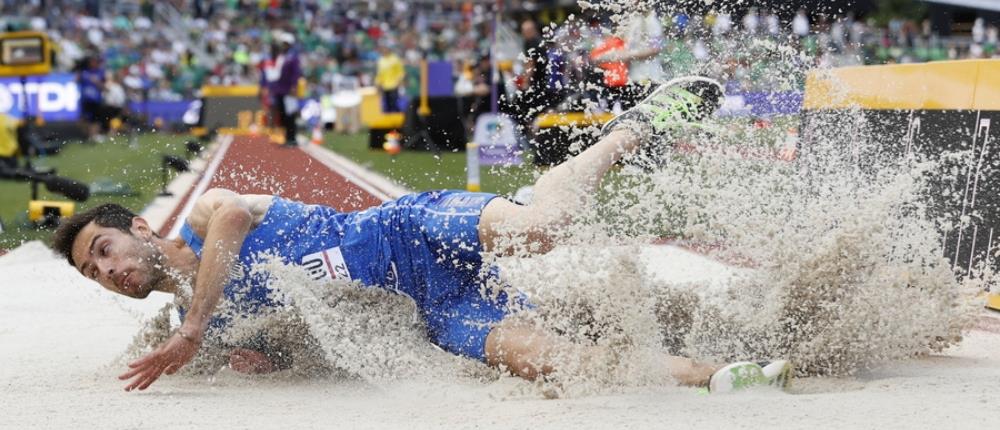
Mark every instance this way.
x=328 y=265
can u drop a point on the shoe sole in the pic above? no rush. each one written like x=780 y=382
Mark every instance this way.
x=664 y=87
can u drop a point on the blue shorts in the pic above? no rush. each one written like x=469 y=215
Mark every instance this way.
x=434 y=244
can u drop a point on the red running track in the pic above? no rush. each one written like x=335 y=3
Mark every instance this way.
x=253 y=165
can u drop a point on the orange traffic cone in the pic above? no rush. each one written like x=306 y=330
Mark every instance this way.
x=317 y=136
x=391 y=144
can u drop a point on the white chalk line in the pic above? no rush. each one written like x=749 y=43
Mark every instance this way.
x=206 y=178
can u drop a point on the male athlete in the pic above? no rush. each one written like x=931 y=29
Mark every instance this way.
x=427 y=246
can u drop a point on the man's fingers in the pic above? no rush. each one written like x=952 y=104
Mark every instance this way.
x=135 y=371
x=149 y=381
x=139 y=378
x=129 y=374
x=141 y=361
x=168 y=358
x=143 y=380
x=135 y=382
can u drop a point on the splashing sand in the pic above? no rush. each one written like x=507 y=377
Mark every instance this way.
x=845 y=271
x=844 y=267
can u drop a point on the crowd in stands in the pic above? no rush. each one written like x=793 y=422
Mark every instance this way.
x=152 y=50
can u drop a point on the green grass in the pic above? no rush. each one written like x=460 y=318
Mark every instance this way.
x=115 y=160
x=422 y=170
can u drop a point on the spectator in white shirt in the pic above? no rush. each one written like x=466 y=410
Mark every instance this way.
x=800 y=24
x=643 y=36
x=773 y=24
x=723 y=24
x=751 y=21
x=979 y=31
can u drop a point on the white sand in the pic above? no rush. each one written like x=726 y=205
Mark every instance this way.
x=61 y=337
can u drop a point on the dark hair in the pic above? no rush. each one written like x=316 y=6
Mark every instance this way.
x=106 y=215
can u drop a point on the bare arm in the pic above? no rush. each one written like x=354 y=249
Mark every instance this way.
x=224 y=219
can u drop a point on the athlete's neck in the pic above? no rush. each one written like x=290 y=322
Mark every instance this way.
x=182 y=263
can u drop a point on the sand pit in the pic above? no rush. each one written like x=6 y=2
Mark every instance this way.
x=63 y=337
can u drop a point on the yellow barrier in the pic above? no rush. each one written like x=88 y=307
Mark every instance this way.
x=389 y=120
x=372 y=115
x=942 y=85
x=230 y=91
x=936 y=96
x=993 y=301
x=37 y=208
x=571 y=119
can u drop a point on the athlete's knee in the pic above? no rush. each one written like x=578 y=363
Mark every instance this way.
x=508 y=228
x=519 y=349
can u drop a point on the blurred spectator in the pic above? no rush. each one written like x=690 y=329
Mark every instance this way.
x=346 y=101
x=281 y=80
x=389 y=77
x=114 y=100
x=773 y=24
x=640 y=50
x=164 y=51
x=535 y=95
x=535 y=59
x=979 y=31
x=90 y=81
x=608 y=56
x=751 y=21
x=723 y=24
x=644 y=42
x=800 y=24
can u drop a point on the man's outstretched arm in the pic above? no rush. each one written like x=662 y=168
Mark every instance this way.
x=225 y=219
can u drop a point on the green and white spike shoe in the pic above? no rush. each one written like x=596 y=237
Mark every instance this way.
x=737 y=376
x=681 y=102
x=779 y=373
x=744 y=374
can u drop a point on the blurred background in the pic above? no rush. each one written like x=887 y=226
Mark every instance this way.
x=402 y=87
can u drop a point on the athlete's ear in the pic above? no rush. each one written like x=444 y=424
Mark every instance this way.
x=141 y=228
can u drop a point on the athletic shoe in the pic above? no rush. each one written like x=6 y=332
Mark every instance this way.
x=737 y=376
x=679 y=102
x=744 y=374
x=778 y=372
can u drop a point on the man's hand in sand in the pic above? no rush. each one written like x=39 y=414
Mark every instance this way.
x=168 y=358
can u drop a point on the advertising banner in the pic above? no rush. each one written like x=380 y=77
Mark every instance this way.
x=54 y=96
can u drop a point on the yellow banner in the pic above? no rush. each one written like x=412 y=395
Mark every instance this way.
x=941 y=85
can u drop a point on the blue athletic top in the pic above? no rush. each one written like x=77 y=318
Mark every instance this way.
x=423 y=245
x=329 y=244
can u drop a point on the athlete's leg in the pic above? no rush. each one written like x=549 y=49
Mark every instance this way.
x=507 y=228
x=529 y=353
x=504 y=227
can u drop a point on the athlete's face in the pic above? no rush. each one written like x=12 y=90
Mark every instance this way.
x=125 y=263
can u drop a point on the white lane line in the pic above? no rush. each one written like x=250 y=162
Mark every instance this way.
x=206 y=178
x=373 y=183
